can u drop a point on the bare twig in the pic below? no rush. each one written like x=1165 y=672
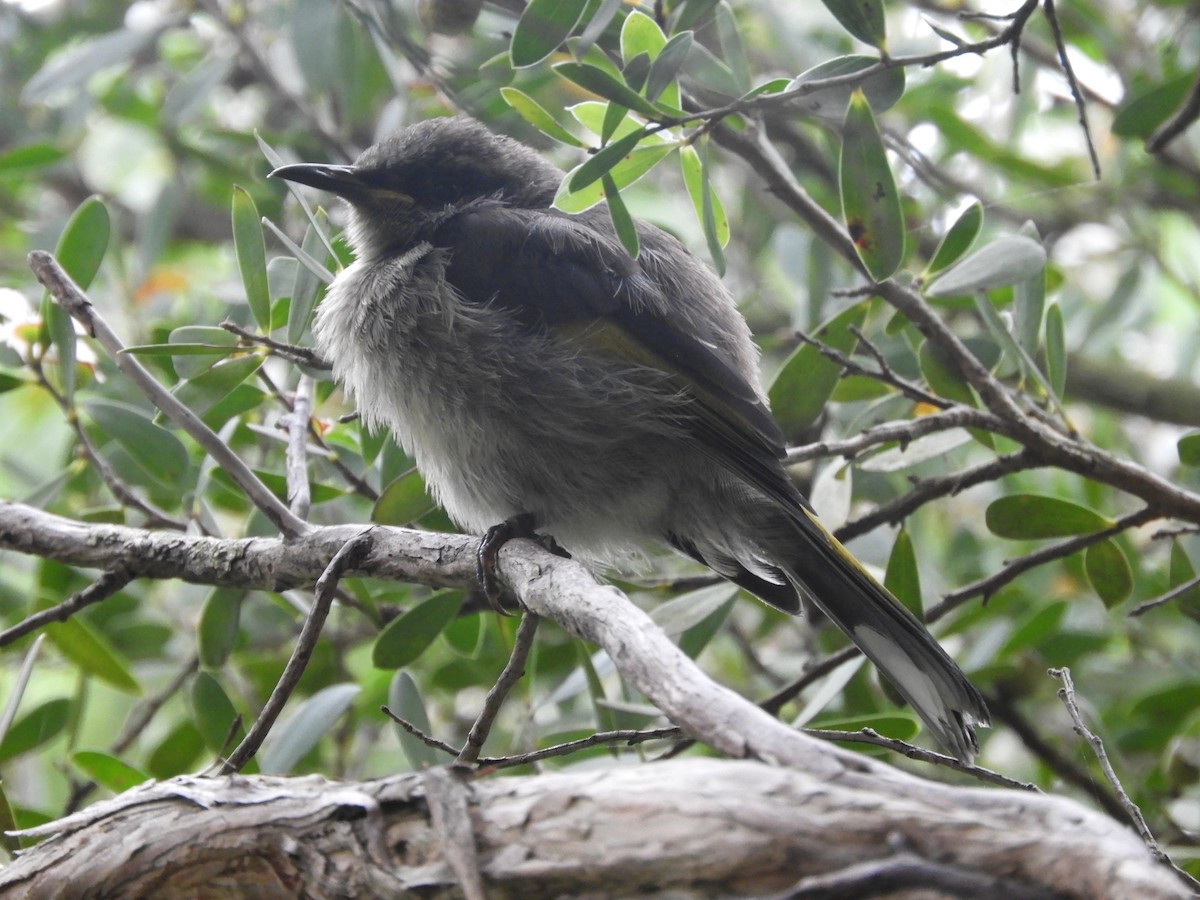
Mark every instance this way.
x=77 y=304
x=875 y=739
x=629 y=737
x=427 y=739
x=1067 y=694
x=351 y=555
x=1170 y=595
x=18 y=688
x=1065 y=60
x=986 y=587
x=301 y=356
x=100 y=589
x=901 y=432
x=1179 y=121
x=513 y=670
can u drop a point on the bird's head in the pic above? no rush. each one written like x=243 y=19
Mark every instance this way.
x=410 y=180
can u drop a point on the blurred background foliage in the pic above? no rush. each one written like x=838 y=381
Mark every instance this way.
x=123 y=133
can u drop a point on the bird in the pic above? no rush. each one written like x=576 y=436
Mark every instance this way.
x=547 y=383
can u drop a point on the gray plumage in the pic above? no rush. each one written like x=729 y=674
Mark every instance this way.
x=530 y=367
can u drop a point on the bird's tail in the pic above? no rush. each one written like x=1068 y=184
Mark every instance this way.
x=888 y=634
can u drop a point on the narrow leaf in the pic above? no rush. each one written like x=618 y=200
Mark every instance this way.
x=862 y=18
x=537 y=116
x=155 y=449
x=800 y=390
x=403 y=501
x=641 y=34
x=603 y=84
x=621 y=219
x=542 y=28
x=1108 y=572
x=404 y=700
x=902 y=577
x=217 y=630
x=882 y=90
x=41 y=724
x=312 y=721
x=1036 y=516
x=870 y=202
x=958 y=239
x=108 y=771
x=408 y=636
x=1005 y=261
x=91 y=652
x=1189 y=449
x=604 y=159
x=251 y=256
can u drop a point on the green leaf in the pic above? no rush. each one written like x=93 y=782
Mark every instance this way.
x=902 y=577
x=1039 y=625
x=601 y=83
x=8 y=823
x=204 y=391
x=403 y=501
x=603 y=160
x=306 y=290
x=155 y=449
x=641 y=34
x=958 y=239
x=1056 y=349
x=60 y=334
x=1029 y=303
x=91 y=652
x=862 y=18
x=1140 y=115
x=38 y=726
x=73 y=66
x=1180 y=572
x=178 y=752
x=409 y=635
x=1037 y=516
x=404 y=700
x=710 y=210
x=312 y=721
x=665 y=69
x=891 y=725
x=622 y=221
x=251 y=256
x=84 y=241
x=537 y=116
x=942 y=375
x=542 y=28
x=882 y=90
x=870 y=202
x=214 y=715
x=200 y=336
x=108 y=771
x=623 y=174
x=1189 y=448
x=1109 y=572
x=1007 y=260
x=217 y=630
x=30 y=156
x=799 y=392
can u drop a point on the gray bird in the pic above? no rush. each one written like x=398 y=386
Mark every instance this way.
x=544 y=380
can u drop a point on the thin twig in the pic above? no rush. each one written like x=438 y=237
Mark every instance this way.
x=1067 y=694
x=629 y=737
x=1179 y=121
x=77 y=304
x=101 y=589
x=875 y=739
x=513 y=670
x=18 y=688
x=350 y=555
x=901 y=432
x=427 y=739
x=986 y=587
x=1170 y=595
x=1076 y=93
x=301 y=356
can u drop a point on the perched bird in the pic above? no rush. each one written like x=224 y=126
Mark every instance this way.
x=544 y=380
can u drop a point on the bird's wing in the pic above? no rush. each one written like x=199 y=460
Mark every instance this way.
x=556 y=272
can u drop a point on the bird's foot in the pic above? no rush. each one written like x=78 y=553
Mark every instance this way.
x=518 y=526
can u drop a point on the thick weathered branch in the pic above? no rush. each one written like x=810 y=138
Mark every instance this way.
x=701 y=827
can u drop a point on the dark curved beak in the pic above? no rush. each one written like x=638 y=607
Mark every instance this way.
x=342 y=181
